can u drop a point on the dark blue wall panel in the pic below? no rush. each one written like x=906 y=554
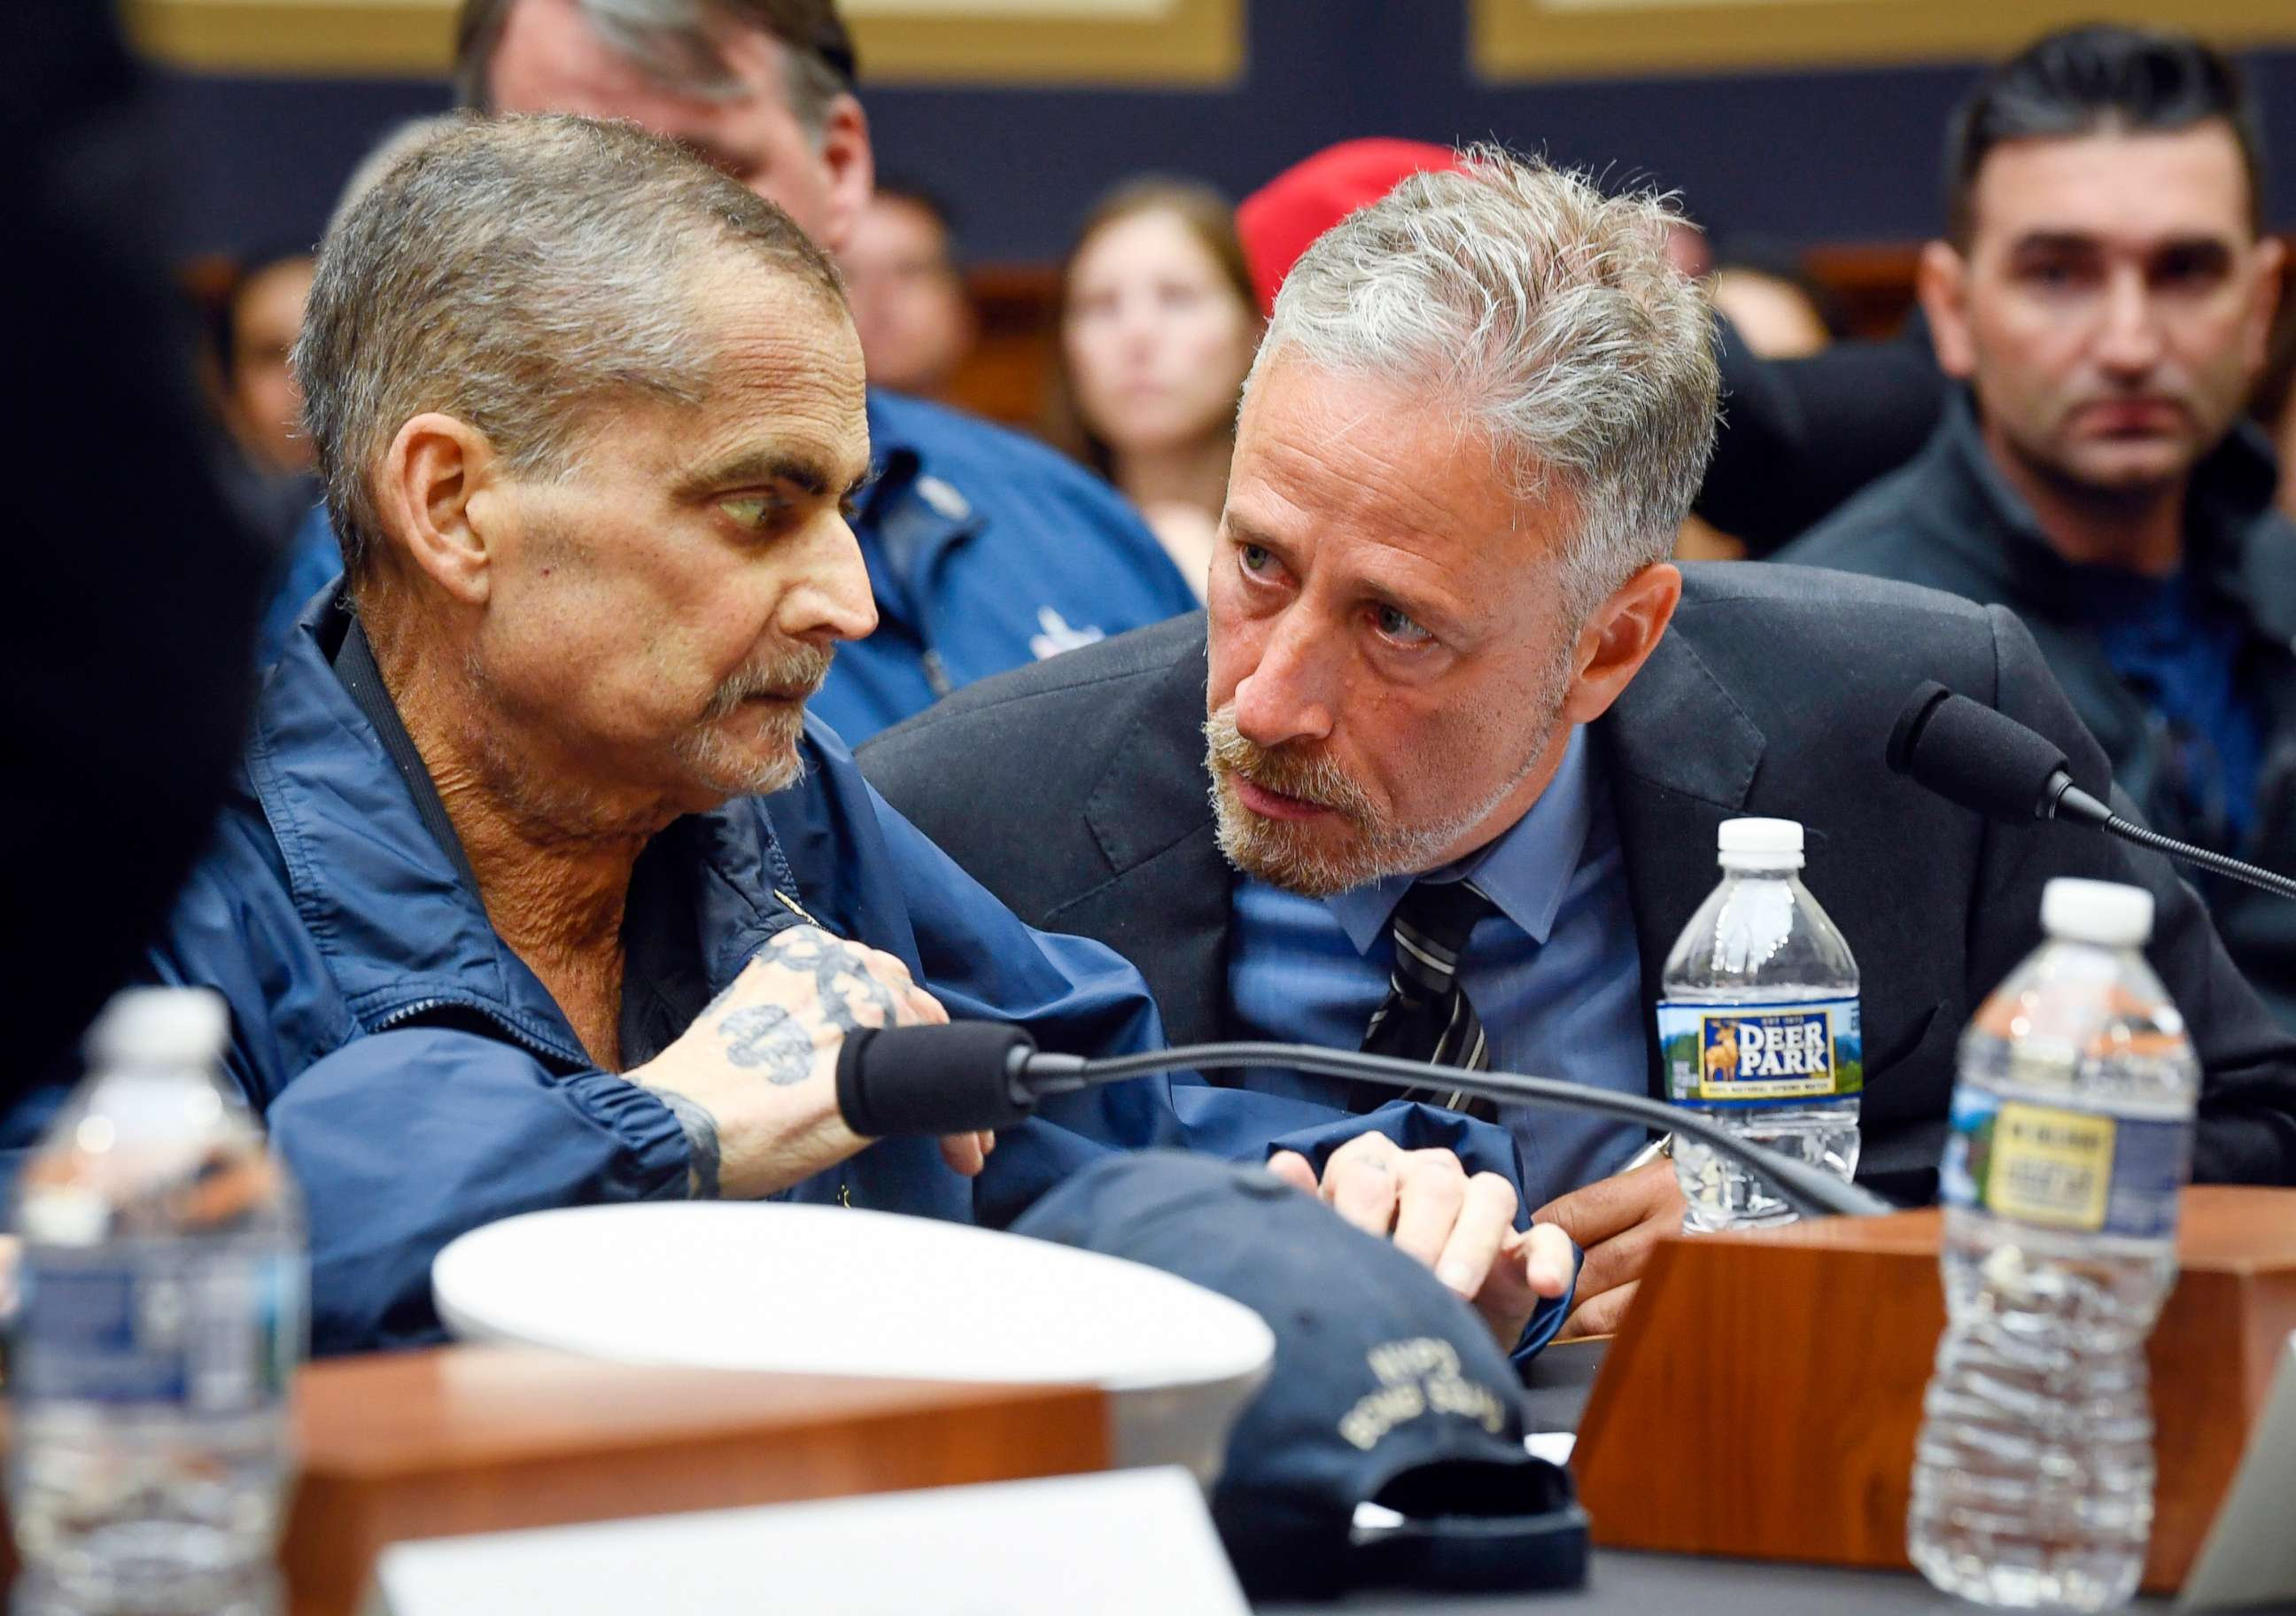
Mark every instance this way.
x=1805 y=157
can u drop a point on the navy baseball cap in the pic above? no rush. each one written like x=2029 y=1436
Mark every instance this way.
x=1387 y=1389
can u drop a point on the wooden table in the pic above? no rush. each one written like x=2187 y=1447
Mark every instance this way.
x=483 y=1439
x=458 y=1439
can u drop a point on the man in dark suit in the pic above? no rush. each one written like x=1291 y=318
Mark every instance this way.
x=1453 y=682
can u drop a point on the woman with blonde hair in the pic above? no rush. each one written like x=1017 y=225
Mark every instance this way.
x=1158 y=324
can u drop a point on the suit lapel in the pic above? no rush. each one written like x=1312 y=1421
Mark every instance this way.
x=1167 y=905
x=1680 y=756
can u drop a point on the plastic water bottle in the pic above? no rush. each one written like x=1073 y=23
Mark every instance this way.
x=2071 y=1138
x=162 y=1316
x=1759 y=1026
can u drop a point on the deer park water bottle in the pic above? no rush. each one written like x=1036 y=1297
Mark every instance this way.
x=162 y=1316
x=1757 y=1022
x=2072 y=1138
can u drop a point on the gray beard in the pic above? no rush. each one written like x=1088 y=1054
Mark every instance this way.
x=1278 y=854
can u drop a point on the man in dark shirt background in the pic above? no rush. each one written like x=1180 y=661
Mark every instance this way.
x=2105 y=294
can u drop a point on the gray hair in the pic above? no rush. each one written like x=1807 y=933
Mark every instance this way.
x=515 y=273
x=679 y=43
x=1550 y=312
x=385 y=154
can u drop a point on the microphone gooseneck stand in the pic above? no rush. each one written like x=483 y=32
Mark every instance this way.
x=1811 y=1191
x=1989 y=762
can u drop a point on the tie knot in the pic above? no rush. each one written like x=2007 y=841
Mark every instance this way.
x=1437 y=915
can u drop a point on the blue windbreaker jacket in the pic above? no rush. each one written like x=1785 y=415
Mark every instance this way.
x=421 y=1081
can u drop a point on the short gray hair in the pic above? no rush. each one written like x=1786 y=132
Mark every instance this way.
x=679 y=43
x=386 y=154
x=515 y=273
x=1551 y=313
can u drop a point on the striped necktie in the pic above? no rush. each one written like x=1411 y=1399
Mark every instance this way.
x=1426 y=1015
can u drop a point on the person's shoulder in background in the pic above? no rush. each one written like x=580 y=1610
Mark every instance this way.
x=1895 y=528
x=1009 y=475
x=1801 y=437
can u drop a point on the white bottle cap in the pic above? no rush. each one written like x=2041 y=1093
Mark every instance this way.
x=2102 y=912
x=160 y=1025
x=1762 y=840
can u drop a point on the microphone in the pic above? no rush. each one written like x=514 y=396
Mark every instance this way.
x=1986 y=760
x=905 y=1081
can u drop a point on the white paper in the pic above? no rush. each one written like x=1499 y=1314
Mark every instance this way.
x=2249 y=1557
x=1555 y=1447
x=1124 y=1543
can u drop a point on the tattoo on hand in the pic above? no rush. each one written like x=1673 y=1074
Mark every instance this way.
x=769 y=1036
x=702 y=1153
x=841 y=975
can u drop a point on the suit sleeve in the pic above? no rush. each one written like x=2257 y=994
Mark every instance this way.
x=1800 y=436
x=2246 y=1131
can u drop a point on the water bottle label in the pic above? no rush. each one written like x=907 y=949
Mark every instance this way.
x=1722 y=1056
x=210 y=1331
x=2059 y=1167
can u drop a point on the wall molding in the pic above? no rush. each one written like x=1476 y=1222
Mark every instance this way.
x=1514 y=41
x=1181 y=44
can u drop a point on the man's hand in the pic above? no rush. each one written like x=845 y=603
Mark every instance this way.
x=1617 y=1221
x=753 y=1082
x=1462 y=1228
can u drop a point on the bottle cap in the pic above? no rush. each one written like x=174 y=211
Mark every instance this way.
x=1760 y=839
x=156 y=1025
x=2102 y=912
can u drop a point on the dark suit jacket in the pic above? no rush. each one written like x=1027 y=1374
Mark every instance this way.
x=1075 y=792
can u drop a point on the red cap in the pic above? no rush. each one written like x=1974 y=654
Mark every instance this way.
x=1277 y=221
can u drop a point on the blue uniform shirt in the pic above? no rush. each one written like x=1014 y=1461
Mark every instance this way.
x=2181 y=651
x=986 y=552
x=1554 y=975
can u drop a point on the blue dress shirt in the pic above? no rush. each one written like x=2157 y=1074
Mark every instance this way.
x=1554 y=974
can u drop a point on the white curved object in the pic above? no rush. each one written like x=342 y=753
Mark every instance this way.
x=817 y=1290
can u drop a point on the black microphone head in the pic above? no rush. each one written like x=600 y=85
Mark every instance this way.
x=1910 y=723
x=907 y=1082
x=1969 y=754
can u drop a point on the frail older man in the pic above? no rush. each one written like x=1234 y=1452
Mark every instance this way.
x=540 y=886
x=1452 y=701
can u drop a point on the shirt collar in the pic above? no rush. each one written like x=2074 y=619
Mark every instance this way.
x=2231 y=491
x=1524 y=870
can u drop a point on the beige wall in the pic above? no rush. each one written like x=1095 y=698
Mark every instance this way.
x=1192 y=43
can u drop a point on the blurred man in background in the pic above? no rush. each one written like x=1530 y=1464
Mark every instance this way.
x=986 y=550
x=2106 y=295
x=916 y=317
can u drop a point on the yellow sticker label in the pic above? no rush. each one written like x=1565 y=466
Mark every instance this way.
x=2050 y=1167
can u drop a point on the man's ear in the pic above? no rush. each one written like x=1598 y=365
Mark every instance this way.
x=852 y=166
x=433 y=474
x=1617 y=639
x=1941 y=281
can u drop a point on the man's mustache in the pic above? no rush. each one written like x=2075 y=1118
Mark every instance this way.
x=1308 y=776
x=796 y=676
